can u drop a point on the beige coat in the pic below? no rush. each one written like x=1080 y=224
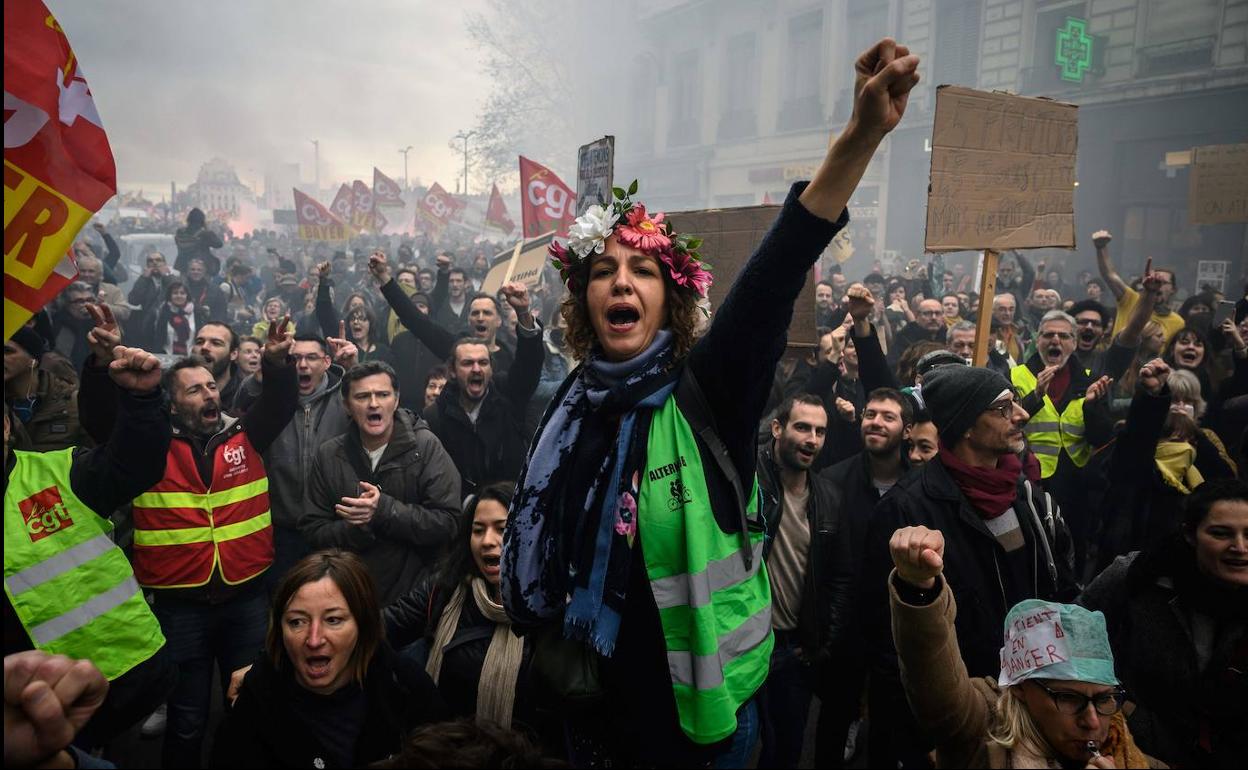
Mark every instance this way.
x=957 y=711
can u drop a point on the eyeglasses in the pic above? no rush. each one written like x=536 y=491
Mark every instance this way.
x=1063 y=336
x=1072 y=703
x=1004 y=408
x=311 y=358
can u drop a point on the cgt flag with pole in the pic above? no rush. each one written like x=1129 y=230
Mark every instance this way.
x=58 y=166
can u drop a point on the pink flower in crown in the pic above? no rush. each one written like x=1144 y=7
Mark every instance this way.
x=686 y=271
x=643 y=232
x=558 y=252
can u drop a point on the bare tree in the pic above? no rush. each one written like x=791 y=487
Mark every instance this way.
x=530 y=107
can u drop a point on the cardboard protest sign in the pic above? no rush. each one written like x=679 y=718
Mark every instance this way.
x=595 y=167
x=1212 y=273
x=729 y=237
x=1217 y=190
x=524 y=262
x=1003 y=172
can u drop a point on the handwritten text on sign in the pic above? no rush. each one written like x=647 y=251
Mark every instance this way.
x=1218 y=189
x=1003 y=172
x=1034 y=641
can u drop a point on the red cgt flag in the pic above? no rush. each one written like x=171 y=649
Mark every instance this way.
x=496 y=214
x=546 y=203
x=386 y=191
x=58 y=166
x=317 y=223
x=361 y=206
x=343 y=205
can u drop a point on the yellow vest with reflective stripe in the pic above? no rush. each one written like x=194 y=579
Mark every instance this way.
x=70 y=586
x=714 y=610
x=1049 y=433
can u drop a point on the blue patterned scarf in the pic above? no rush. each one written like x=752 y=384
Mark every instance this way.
x=571 y=556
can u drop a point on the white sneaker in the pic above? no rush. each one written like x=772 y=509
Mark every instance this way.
x=154 y=725
x=851 y=740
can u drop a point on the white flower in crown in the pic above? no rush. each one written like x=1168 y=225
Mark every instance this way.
x=588 y=234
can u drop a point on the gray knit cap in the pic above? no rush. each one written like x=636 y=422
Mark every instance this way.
x=957 y=395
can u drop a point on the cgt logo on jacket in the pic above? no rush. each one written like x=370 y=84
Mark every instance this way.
x=236 y=456
x=45 y=514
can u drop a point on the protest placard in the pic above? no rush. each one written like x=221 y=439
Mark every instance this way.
x=1211 y=273
x=729 y=237
x=1217 y=190
x=523 y=262
x=595 y=167
x=1003 y=172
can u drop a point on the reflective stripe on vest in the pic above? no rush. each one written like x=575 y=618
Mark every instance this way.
x=70 y=586
x=1048 y=433
x=715 y=613
x=184 y=531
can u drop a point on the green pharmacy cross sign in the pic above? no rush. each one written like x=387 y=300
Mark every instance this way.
x=1073 y=50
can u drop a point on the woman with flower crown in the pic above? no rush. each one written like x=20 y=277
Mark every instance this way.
x=634 y=531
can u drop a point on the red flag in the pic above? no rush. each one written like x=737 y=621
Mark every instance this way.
x=317 y=223
x=58 y=166
x=385 y=190
x=343 y=205
x=362 y=206
x=546 y=203
x=496 y=214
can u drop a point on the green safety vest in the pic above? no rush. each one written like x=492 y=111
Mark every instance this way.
x=715 y=612
x=1049 y=432
x=69 y=584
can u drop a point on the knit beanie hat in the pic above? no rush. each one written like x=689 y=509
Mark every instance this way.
x=30 y=341
x=1048 y=640
x=957 y=395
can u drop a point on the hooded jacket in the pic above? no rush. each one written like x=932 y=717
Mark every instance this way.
x=54 y=425
x=416 y=515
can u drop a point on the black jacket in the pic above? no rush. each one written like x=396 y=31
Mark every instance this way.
x=416 y=616
x=1157 y=606
x=415 y=517
x=263 y=728
x=493 y=448
x=827 y=598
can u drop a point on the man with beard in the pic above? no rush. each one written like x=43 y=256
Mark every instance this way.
x=1010 y=541
x=71 y=323
x=450 y=296
x=825 y=304
x=386 y=488
x=858 y=483
x=807 y=563
x=479 y=420
x=217 y=345
x=203 y=534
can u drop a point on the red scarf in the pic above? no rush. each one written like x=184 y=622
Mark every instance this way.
x=990 y=491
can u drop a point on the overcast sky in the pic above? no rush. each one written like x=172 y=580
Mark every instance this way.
x=179 y=82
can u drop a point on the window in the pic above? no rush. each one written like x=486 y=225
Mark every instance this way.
x=956 y=51
x=684 y=100
x=802 y=106
x=1178 y=35
x=739 y=89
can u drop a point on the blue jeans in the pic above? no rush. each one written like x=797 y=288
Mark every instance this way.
x=199 y=635
x=738 y=753
x=784 y=704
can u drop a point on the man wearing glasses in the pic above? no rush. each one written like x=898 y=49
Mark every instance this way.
x=148 y=292
x=929 y=326
x=1005 y=540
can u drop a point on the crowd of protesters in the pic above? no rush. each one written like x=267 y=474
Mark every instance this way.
x=397 y=521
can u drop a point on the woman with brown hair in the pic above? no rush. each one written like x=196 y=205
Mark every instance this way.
x=328 y=691
x=639 y=485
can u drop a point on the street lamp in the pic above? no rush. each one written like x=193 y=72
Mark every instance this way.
x=465 y=137
x=316 y=164
x=405 y=151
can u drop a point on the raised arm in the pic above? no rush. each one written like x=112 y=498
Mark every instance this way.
x=439 y=340
x=873 y=369
x=1143 y=311
x=279 y=389
x=1100 y=240
x=526 y=369
x=326 y=313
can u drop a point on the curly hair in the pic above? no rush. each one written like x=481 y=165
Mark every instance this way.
x=683 y=316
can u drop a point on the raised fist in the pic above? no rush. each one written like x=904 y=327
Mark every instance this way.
x=918 y=554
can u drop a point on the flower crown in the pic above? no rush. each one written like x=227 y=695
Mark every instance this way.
x=632 y=226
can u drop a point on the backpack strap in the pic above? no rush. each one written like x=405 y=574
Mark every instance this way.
x=697 y=412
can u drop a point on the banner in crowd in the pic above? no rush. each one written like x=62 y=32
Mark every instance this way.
x=436 y=208
x=546 y=203
x=344 y=204
x=1003 y=172
x=58 y=166
x=362 y=208
x=386 y=191
x=317 y=223
x=496 y=215
x=1218 y=186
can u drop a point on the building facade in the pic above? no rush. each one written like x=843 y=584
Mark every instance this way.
x=218 y=191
